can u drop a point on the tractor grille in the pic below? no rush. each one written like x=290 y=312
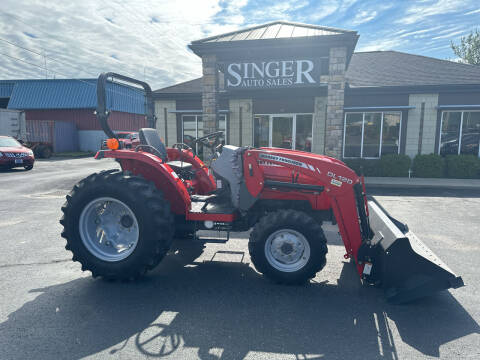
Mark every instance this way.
x=16 y=155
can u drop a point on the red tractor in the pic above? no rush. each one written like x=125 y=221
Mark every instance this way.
x=121 y=223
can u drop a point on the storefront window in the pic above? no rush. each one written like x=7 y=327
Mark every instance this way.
x=460 y=133
x=470 y=133
x=282 y=131
x=189 y=128
x=353 y=135
x=391 y=133
x=192 y=128
x=371 y=134
x=288 y=131
x=261 y=130
x=303 y=138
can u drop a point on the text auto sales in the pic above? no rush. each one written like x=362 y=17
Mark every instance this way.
x=270 y=74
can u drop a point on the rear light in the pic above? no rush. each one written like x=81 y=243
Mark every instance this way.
x=112 y=144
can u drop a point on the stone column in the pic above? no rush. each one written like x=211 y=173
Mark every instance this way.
x=210 y=93
x=335 y=101
x=209 y=100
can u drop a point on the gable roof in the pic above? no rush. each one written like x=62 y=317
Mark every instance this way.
x=381 y=69
x=394 y=68
x=186 y=87
x=275 y=30
x=72 y=94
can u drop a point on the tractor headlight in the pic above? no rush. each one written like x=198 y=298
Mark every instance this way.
x=30 y=153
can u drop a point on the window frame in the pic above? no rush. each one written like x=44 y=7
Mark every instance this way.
x=363 y=132
x=270 y=127
x=196 y=115
x=460 y=132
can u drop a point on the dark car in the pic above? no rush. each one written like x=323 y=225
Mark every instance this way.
x=13 y=154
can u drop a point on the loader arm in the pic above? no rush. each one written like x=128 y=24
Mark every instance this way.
x=339 y=182
x=384 y=250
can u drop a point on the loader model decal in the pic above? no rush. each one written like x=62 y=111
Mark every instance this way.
x=285 y=160
x=339 y=178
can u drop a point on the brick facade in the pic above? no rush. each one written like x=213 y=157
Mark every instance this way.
x=335 y=102
x=210 y=93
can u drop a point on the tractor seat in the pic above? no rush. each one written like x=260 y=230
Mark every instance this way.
x=153 y=143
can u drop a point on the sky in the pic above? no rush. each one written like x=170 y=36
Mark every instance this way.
x=148 y=39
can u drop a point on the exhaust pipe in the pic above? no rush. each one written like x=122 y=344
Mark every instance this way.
x=404 y=266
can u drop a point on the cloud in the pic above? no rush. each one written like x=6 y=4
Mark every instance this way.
x=422 y=10
x=137 y=37
x=473 y=12
x=450 y=35
x=364 y=16
x=384 y=44
x=83 y=36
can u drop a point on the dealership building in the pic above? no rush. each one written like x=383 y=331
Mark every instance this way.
x=304 y=87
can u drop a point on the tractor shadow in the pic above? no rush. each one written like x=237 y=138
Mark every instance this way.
x=214 y=310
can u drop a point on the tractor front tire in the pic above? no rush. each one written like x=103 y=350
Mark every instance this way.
x=288 y=246
x=117 y=225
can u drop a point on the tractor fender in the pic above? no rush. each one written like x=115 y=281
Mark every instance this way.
x=153 y=169
x=205 y=183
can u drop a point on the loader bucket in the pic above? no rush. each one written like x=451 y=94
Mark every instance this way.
x=406 y=267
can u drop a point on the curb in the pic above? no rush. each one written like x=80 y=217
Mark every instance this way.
x=421 y=183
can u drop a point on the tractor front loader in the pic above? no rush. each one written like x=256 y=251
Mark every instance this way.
x=121 y=223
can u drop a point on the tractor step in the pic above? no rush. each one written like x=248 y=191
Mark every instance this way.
x=212 y=239
x=204 y=207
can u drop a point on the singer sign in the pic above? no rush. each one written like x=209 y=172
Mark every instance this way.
x=272 y=74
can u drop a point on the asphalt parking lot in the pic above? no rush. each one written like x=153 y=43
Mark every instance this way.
x=205 y=303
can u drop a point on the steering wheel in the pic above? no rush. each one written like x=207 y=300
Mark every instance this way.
x=215 y=135
x=181 y=146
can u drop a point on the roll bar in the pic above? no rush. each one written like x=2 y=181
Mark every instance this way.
x=102 y=112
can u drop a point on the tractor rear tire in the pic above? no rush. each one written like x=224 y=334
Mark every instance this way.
x=288 y=246
x=139 y=208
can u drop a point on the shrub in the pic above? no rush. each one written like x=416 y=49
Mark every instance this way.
x=428 y=166
x=395 y=165
x=463 y=166
x=370 y=167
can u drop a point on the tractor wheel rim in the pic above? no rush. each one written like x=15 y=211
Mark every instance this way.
x=109 y=229
x=287 y=250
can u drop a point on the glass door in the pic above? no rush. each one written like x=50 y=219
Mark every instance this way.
x=282 y=132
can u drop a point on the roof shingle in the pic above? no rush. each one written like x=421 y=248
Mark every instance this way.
x=393 y=68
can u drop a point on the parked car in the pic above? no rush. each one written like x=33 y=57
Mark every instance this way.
x=128 y=138
x=13 y=154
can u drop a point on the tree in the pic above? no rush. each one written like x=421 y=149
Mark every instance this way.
x=469 y=48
